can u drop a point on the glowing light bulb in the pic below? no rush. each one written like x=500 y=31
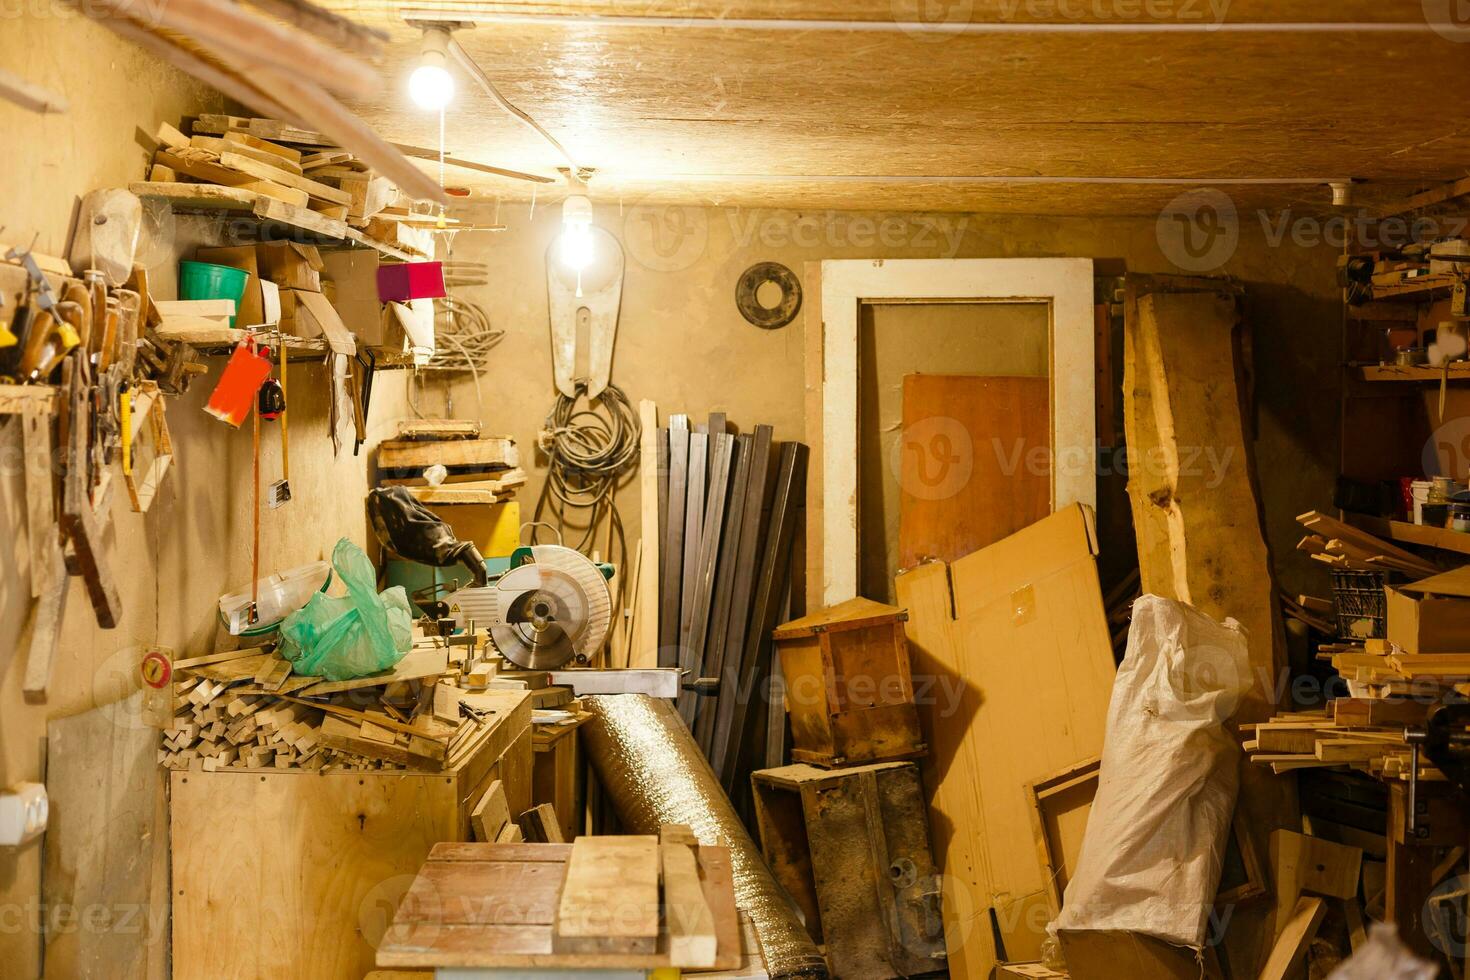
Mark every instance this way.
x=576 y=236
x=430 y=86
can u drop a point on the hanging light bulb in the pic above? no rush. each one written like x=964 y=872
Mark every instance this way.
x=431 y=86
x=576 y=235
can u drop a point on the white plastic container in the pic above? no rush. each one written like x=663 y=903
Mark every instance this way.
x=279 y=596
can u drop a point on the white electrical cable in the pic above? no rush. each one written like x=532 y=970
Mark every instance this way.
x=468 y=64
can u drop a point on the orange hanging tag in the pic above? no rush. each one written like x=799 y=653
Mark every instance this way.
x=244 y=373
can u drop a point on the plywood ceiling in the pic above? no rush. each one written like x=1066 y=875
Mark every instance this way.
x=859 y=119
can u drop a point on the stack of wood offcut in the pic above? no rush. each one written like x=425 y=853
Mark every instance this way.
x=481 y=470
x=1343 y=546
x=1366 y=734
x=244 y=709
x=291 y=173
x=1388 y=687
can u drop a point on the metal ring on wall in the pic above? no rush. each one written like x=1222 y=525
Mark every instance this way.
x=768 y=317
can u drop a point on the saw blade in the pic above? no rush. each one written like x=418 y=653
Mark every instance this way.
x=551 y=610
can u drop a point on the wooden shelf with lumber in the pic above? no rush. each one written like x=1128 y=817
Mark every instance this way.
x=1458 y=371
x=221 y=340
x=1419 y=534
x=245 y=204
x=1418 y=288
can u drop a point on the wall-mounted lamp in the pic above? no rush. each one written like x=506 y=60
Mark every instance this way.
x=431 y=86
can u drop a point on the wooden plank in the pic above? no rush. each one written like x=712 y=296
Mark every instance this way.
x=540 y=825
x=487 y=453
x=46 y=620
x=206 y=197
x=1331 y=527
x=41 y=533
x=953 y=498
x=277 y=175
x=106 y=845
x=643 y=650
x=1197 y=522
x=212 y=173
x=691 y=924
x=672 y=551
x=1294 y=938
x=223 y=144
x=491 y=814
x=416 y=665
x=609 y=899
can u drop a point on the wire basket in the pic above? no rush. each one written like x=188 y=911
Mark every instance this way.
x=1361 y=607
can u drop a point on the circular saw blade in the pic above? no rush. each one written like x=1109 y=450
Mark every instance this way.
x=551 y=610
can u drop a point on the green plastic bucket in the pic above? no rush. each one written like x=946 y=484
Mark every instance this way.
x=205 y=280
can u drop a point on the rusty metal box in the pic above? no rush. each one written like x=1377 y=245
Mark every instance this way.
x=849 y=692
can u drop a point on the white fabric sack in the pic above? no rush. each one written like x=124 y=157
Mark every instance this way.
x=1150 y=859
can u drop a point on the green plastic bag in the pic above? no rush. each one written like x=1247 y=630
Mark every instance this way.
x=341 y=637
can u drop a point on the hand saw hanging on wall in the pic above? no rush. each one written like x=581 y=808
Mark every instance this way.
x=590 y=301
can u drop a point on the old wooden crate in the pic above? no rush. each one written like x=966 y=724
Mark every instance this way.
x=296 y=873
x=848 y=688
x=851 y=846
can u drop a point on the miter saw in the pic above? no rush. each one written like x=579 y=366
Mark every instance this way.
x=553 y=606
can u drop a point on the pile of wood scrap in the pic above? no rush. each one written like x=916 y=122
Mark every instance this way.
x=244 y=709
x=1366 y=734
x=295 y=170
x=1343 y=546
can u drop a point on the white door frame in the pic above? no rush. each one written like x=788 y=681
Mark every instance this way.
x=1064 y=285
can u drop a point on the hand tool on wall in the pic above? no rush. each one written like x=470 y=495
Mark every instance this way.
x=273 y=404
x=79 y=522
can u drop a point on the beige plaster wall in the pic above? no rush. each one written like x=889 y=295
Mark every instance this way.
x=682 y=343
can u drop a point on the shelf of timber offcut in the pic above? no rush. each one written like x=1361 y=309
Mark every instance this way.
x=221 y=341
x=1402 y=531
x=248 y=205
x=1458 y=371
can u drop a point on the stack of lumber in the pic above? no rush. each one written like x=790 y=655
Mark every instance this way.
x=481 y=469
x=719 y=515
x=1343 y=546
x=1366 y=734
x=235 y=162
x=244 y=709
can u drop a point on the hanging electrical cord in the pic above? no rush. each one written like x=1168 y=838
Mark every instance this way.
x=463 y=335
x=591 y=445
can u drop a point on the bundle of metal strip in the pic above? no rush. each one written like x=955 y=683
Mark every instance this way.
x=655 y=774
